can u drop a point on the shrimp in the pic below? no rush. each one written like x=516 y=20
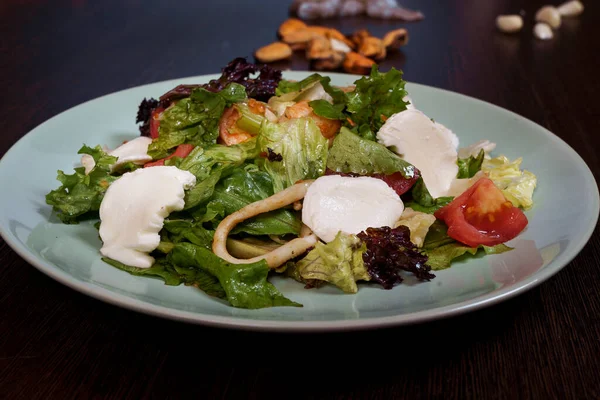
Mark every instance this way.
x=229 y=132
x=328 y=127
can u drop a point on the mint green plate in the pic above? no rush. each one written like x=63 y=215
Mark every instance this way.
x=557 y=231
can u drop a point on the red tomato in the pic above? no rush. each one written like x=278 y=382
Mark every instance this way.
x=482 y=215
x=155 y=122
x=182 y=151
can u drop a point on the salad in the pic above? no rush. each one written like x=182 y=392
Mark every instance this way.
x=251 y=175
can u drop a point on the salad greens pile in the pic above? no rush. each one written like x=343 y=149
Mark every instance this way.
x=281 y=152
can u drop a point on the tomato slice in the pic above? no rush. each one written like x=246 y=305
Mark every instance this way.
x=155 y=121
x=482 y=216
x=182 y=151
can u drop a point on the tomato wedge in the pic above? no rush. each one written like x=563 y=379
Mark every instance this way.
x=482 y=216
x=155 y=121
x=182 y=151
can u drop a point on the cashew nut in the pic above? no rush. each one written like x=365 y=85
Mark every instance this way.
x=543 y=31
x=549 y=15
x=509 y=23
x=570 y=8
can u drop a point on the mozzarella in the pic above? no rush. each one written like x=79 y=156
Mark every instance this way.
x=335 y=203
x=135 y=151
x=133 y=210
x=428 y=145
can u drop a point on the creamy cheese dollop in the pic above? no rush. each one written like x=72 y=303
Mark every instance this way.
x=336 y=203
x=133 y=210
x=135 y=151
x=428 y=145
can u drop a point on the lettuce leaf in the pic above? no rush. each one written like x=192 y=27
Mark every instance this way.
x=468 y=167
x=517 y=185
x=79 y=194
x=180 y=230
x=351 y=153
x=338 y=262
x=443 y=256
x=375 y=98
x=194 y=119
x=174 y=275
x=302 y=147
x=245 y=186
x=245 y=285
x=299 y=90
x=422 y=200
x=209 y=164
x=418 y=222
x=442 y=250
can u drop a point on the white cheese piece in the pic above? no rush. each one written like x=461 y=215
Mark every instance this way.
x=428 y=145
x=135 y=151
x=134 y=208
x=335 y=203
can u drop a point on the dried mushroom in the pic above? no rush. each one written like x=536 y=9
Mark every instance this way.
x=396 y=38
x=328 y=49
x=273 y=52
x=355 y=63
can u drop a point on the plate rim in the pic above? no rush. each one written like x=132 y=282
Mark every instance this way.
x=232 y=322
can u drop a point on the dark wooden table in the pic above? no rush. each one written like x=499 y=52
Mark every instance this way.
x=59 y=344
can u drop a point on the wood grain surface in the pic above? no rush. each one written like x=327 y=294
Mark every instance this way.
x=56 y=343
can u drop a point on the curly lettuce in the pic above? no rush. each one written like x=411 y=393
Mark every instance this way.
x=517 y=185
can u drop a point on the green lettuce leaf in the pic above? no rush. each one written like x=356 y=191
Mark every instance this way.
x=194 y=119
x=468 y=167
x=418 y=222
x=437 y=236
x=245 y=285
x=80 y=195
x=298 y=89
x=375 y=98
x=443 y=256
x=180 y=230
x=338 y=262
x=351 y=153
x=302 y=147
x=174 y=275
x=210 y=164
x=517 y=185
x=245 y=186
x=422 y=200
